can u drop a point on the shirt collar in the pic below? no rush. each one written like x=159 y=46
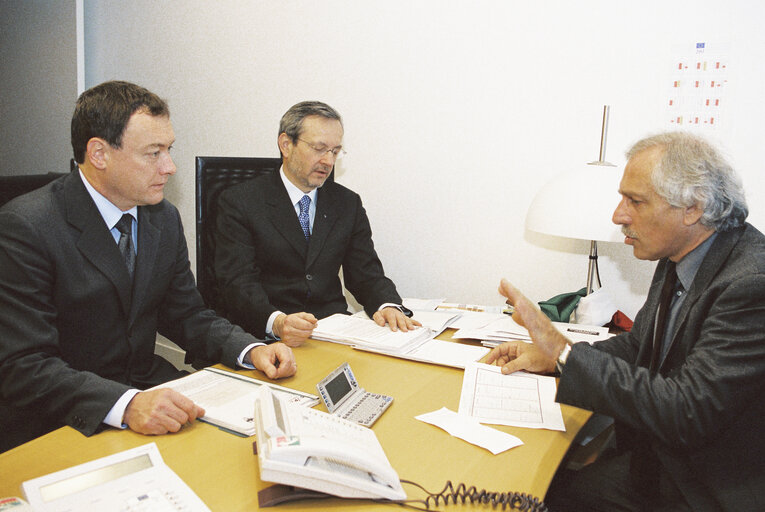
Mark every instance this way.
x=295 y=193
x=691 y=262
x=109 y=212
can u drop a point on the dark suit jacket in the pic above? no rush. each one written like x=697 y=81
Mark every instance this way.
x=74 y=336
x=702 y=414
x=264 y=264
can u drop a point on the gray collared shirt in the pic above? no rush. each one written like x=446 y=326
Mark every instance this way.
x=686 y=272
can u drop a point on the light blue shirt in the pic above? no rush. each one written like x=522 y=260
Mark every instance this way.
x=296 y=195
x=110 y=213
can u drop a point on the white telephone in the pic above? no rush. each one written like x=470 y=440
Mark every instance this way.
x=311 y=449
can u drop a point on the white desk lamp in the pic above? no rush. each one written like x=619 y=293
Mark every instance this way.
x=579 y=204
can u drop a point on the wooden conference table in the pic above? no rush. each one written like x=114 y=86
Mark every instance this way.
x=221 y=468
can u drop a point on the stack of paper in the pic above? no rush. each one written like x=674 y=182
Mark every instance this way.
x=436 y=321
x=416 y=345
x=362 y=332
x=506 y=329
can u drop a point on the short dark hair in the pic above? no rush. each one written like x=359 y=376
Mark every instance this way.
x=104 y=111
x=292 y=120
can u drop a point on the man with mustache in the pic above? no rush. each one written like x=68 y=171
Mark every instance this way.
x=282 y=239
x=685 y=386
x=92 y=266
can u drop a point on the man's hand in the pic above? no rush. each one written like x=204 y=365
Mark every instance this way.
x=160 y=411
x=518 y=355
x=395 y=319
x=547 y=340
x=294 y=329
x=275 y=360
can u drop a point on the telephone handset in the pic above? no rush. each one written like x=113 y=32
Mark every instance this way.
x=311 y=449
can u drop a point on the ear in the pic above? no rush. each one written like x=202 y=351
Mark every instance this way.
x=97 y=152
x=692 y=215
x=285 y=144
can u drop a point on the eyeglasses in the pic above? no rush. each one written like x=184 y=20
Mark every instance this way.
x=322 y=150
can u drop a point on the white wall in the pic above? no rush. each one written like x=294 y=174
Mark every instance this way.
x=38 y=84
x=455 y=113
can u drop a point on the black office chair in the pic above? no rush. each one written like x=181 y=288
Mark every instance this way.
x=13 y=186
x=214 y=175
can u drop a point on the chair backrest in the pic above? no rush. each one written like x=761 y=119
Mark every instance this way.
x=214 y=175
x=13 y=186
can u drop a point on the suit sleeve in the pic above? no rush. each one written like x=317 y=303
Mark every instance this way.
x=33 y=375
x=720 y=374
x=238 y=276
x=362 y=270
x=184 y=319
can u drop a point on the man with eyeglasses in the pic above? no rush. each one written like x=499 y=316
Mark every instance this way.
x=282 y=239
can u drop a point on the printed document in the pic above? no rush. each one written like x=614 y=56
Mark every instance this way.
x=519 y=400
x=352 y=330
x=441 y=352
x=229 y=398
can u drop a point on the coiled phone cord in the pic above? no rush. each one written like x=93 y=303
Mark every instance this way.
x=462 y=493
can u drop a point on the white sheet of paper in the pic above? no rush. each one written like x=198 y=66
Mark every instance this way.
x=421 y=304
x=475 y=319
x=448 y=353
x=468 y=429
x=520 y=399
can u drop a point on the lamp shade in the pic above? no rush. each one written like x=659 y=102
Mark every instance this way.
x=578 y=204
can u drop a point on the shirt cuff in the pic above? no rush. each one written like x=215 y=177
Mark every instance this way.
x=270 y=325
x=117 y=413
x=406 y=311
x=240 y=359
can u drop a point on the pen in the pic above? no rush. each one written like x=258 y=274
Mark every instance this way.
x=582 y=331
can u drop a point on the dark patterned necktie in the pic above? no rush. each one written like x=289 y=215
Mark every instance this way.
x=125 y=244
x=665 y=302
x=303 y=217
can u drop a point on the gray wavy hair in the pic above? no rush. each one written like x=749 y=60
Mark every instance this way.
x=292 y=120
x=691 y=171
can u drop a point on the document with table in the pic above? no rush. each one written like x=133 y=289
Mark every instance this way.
x=520 y=399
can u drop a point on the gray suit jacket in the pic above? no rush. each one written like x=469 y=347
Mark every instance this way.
x=702 y=414
x=264 y=264
x=74 y=334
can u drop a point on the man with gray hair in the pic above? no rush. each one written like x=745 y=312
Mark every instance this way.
x=685 y=386
x=283 y=238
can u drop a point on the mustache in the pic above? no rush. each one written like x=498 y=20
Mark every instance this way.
x=628 y=232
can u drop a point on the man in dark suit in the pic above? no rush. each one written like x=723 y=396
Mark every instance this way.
x=283 y=238
x=92 y=266
x=685 y=386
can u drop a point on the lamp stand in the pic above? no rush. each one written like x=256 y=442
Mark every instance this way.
x=592 y=269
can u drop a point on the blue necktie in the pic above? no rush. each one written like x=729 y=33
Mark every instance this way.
x=125 y=243
x=305 y=221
